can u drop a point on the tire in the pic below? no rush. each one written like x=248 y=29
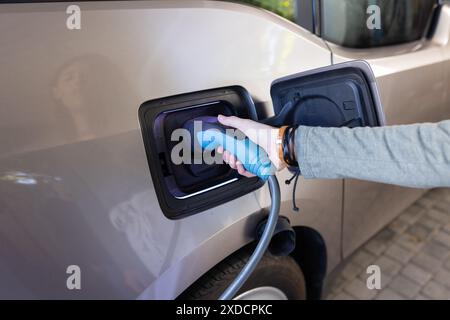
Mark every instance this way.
x=282 y=273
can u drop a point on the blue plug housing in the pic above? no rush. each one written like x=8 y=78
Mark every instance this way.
x=254 y=159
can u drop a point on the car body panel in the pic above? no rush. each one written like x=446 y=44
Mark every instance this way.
x=74 y=179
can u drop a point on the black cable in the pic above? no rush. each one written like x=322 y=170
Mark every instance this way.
x=262 y=245
x=295 y=176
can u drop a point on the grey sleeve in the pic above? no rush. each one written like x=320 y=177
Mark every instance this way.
x=415 y=155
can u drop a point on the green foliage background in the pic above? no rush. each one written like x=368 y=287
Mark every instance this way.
x=284 y=8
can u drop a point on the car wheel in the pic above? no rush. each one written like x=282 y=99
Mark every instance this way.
x=275 y=278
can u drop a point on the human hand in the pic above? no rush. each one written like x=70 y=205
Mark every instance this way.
x=263 y=135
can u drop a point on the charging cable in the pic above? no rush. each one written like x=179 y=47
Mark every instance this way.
x=255 y=160
x=263 y=243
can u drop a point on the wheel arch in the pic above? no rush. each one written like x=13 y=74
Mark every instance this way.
x=311 y=255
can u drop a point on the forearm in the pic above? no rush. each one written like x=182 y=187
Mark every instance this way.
x=410 y=155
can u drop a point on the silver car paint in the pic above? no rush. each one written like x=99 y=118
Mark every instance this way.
x=75 y=184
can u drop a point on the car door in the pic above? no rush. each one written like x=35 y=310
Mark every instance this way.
x=413 y=80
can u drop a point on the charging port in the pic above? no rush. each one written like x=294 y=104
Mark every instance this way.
x=188 y=188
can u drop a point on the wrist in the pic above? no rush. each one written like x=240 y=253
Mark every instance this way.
x=276 y=143
x=280 y=143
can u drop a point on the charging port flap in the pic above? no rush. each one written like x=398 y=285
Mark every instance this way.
x=340 y=95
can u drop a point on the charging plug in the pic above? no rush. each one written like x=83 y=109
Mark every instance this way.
x=254 y=159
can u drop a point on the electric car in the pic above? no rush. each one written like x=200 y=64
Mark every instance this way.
x=91 y=206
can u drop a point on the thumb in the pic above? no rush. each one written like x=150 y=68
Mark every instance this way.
x=261 y=134
x=235 y=122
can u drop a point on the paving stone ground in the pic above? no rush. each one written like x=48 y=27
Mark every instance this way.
x=413 y=253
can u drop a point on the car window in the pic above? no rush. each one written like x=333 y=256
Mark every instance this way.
x=346 y=22
x=369 y=23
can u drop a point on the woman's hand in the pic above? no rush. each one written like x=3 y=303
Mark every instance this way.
x=261 y=134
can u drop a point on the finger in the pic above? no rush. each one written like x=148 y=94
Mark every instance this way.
x=242 y=171
x=248 y=174
x=220 y=149
x=235 y=122
x=226 y=156
x=232 y=161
